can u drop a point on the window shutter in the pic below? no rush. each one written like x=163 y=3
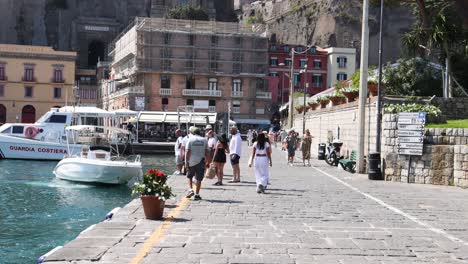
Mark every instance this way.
x=345 y=60
x=338 y=60
x=345 y=76
x=338 y=77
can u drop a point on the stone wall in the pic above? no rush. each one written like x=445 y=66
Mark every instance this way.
x=452 y=108
x=443 y=160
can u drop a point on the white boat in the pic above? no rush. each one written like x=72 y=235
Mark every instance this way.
x=93 y=164
x=45 y=139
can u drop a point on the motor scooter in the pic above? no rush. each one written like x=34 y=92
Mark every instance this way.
x=332 y=153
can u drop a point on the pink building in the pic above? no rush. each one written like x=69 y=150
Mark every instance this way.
x=280 y=68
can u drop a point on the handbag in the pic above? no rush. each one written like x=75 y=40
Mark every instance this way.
x=211 y=171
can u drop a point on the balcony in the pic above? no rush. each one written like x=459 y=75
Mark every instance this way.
x=165 y=91
x=263 y=95
x=237 y=94
x=54 y=80
x=196 y=92
x=212 y=109
x=236 y=109
x=3 y=78
x=24 y=79
x=139 y=90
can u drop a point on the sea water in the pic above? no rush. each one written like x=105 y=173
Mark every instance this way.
x=39 y=212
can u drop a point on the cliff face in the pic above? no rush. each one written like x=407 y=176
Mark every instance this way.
x=330 y=23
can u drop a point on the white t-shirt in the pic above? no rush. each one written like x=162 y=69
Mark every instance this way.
x=177 y=145
x=235 y=145
x=212 y=142
x=197 y=146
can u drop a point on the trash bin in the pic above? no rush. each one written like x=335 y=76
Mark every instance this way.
x=321 y=151
x=374 y=171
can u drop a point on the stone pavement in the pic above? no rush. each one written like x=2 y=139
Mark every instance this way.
x=317 y=214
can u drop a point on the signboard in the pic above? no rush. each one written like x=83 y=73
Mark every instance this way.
x=139 y=103
x=200 y=104
x=411 y=133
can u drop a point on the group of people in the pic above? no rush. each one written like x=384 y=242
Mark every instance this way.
x=194 y=154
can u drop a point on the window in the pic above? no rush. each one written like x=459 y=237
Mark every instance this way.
x=2 y=72
x=191 y=40
x=212 y=84
x=260 y=84
x=287 y=62
x=60 y=119
x=341 y=76
x=212 y=103
x=167 y=38
x=28 y=91
x=57 y=93
x=286 y=48
x=274 y=61
x=341 y=62
x=58 y=75
x=189 y=101
x=297 y=79
x=273 y=74
x=313 y=50
x=299 y=49
x=317 y=64
x=317 y=81
x=213 y=66
x=190 y=82
x=165 y=82
x=303 y=63
x=18 y=130
x=236 y=68
x=238 y=41
x=28 y=74
x=273 y=47
x=237 y=85
x=260 y=111
x=165 y=101
x=2 y=90
x=214 y=40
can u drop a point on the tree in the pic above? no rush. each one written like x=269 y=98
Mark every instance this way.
x=187 y=12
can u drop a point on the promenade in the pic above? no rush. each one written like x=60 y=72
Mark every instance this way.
x=317 y=214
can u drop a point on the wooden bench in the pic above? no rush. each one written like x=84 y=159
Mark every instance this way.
x=349 y=164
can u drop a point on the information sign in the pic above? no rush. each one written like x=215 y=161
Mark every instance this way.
x=411 y=133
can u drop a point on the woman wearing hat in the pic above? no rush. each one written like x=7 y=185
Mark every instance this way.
x=222 y=147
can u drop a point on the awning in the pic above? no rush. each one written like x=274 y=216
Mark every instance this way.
x=253 y=121
x=172 y=117
x=125 y=112
x=86 y=111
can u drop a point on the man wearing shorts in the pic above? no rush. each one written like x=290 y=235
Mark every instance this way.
x=235 y=151
x=179 y=159
x=196 y=155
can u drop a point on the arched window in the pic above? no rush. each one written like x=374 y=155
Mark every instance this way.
x=28 y=115
x=2 y=114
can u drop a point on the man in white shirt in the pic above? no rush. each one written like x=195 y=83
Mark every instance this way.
x=183 y=150
x=235 y=151
x=196 y=157
x=178 y=151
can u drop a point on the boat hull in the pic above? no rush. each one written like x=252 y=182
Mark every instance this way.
x=23 y=148
x=97 y=171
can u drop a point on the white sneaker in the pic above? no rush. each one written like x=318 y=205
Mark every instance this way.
x=176 y=172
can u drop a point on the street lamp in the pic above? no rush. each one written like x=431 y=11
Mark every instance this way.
x=306 y=86
x=282 y=83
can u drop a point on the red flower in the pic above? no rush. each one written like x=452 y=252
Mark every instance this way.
x=151 y=171
x=160 y=174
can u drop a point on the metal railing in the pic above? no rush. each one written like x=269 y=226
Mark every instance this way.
x=128 y=90
x=212 y=109
x=263 y=95
x=195 y=92
x=236 y=109
x=237 y=94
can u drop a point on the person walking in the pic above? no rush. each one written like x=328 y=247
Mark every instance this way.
x=235 y=151
x=196 y=157
x=283 y=135
x=291 y=144
x=249 y=137
x=271 y=138
x=305 y=147
x=178 y=152
x=211 y=143
x=219 y=159
x=261 y=156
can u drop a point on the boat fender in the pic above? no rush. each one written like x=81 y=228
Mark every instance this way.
x=31 y=132
x=43 y=257
x=111 y=213
x=41 y=130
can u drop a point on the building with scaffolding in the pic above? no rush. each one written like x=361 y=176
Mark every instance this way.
x=215 y=67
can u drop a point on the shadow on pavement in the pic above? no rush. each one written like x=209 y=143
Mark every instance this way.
x=223 y=201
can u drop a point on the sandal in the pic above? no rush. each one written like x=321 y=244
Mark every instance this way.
x=234 y=181
x=218 y=183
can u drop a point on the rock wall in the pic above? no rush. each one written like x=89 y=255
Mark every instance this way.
x=331 y=23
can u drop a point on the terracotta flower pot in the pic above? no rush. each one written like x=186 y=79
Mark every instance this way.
x=372 y=88
x=336 y=100
x=351 y=96
x=313 y=105
x=324 y=104
x=152 y=206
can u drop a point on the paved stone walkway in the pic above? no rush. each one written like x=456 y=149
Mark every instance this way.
x=317 y=214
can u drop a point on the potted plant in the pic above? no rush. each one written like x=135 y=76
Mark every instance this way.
x=372 y=86
x=323 y=101
x=313 y=104
x=154 y=192
x=351 y=93
x=337 y=97
x=300 y=108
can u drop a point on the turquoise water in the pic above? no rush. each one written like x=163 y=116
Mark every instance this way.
x=39 y=212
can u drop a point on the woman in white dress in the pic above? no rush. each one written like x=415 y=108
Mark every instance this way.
x=261 y=156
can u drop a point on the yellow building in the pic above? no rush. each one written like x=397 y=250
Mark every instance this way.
x=34 y=79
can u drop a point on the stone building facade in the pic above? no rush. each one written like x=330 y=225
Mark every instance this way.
x=34 y=79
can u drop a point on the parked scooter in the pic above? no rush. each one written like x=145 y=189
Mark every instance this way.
x=332 y=154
